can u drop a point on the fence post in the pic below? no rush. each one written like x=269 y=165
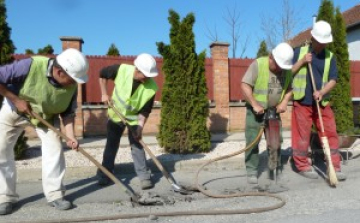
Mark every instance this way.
x=219 y=116
x=76 y=42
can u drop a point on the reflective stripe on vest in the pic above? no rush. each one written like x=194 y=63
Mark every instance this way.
x=129 y=105
x=44 y=98
x=261 y=87
x=299 y=83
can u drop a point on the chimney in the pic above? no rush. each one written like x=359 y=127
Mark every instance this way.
x=314 y=19
x=71 y=42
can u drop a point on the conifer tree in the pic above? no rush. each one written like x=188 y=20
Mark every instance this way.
x=48 y=49
x=185 y=107
x=7 y=48
x=326 y=12
x=340 y=96
x=29 y=52
x=263 y=51
x=113 y=50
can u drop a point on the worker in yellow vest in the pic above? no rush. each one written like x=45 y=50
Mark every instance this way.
x=133 y=95
x=304 y=113
x=266 y=85
x=48 y=87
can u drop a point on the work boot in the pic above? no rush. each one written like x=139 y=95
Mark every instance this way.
x=104 y=181
x=340 y=176
x=252 y=179
x=6 y=208
x=311 y=174
x=146 y=184
x=61 y=204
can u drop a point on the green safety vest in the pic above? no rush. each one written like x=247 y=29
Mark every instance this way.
x=299 y=83
x=261 y=87
x=130 y=105
x=44 y=98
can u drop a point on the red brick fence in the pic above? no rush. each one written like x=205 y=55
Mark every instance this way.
x=223 y=77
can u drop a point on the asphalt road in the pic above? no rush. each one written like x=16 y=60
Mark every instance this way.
x=306 y=200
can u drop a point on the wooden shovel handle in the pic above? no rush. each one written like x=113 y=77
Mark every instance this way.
x=82 y=151
x=317 y=102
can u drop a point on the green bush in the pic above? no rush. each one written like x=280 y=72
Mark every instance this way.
x=184 y=101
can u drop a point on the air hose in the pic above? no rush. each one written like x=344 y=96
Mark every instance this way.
x=193 y=212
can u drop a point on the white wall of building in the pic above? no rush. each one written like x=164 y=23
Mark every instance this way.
x=353 y=39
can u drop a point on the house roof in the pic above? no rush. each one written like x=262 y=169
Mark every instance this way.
x=351 y=19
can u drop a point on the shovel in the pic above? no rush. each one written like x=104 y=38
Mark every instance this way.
x=175 y=186
x=135 y=199
x=324 y=140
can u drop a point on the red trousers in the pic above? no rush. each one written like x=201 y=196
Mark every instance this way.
x=301 y=124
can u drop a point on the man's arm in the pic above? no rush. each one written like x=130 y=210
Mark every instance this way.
x=248 y=93
x=21 y=105
x=300 y=63
x=107 y=73
x=68 y=123
x=282 y=106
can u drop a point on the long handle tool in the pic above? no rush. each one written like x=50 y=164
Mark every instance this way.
x=325 y=142
x=176 y=187
x=133 y=196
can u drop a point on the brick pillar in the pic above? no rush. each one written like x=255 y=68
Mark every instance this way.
x=220 y=115
x=76 y=42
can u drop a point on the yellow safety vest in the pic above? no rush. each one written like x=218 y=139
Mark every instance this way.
x=44 y=98
x=261 y=87
x=299 y=83
x=130 y=105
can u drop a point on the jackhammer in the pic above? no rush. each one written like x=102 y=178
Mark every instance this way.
x=272 y=130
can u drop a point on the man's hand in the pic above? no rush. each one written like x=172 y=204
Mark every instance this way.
x=281 y=108
x=22 y=106
x=307 y=58
x=318 y=95
x=137 y=132
x=105 y=98
x=258 y=109
x=72 y=143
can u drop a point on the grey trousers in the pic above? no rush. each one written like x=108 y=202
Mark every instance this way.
x=114 y=133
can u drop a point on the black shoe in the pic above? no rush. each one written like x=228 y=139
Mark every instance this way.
x=6 y=208
x=104 y=181
x=61 y=204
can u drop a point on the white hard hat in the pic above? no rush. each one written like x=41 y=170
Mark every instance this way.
x=146 y=64
x=283 y=55
x=74 y=64
x=322 y=32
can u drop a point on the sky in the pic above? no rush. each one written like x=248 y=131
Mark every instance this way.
x=134 y=26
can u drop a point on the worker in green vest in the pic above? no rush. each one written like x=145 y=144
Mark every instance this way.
x=265 y=85
x=47 y=86
x=133 y=94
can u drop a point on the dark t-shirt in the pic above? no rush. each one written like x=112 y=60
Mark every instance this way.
x=110 y=72
x=318 y=63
